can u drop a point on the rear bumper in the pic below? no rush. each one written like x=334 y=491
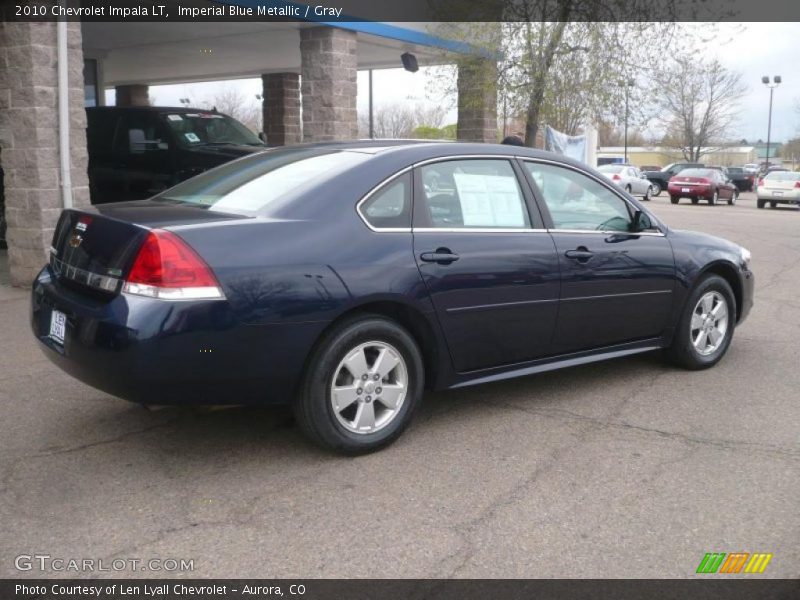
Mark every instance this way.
x=695 y=191
x=158 y=352
x=788 y=196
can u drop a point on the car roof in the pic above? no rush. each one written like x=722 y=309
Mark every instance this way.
x=157 y=109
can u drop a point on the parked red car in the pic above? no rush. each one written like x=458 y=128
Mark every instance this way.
x=702 y=184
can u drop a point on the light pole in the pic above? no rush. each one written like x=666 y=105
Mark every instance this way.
x=776 y=81
x=627 y=85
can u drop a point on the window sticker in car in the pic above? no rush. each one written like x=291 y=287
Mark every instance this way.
x=174 y=117
x=192 y=137
x=489 y=200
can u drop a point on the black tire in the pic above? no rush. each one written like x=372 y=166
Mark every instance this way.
x=656 y=188
x=313 y=408
x=682 y=352
x=674 y=199
x=648 y=194
x=734 y=197
x=714 y=198
x=695 y=200
x=628 y=189
x=773 y=205
x=760 y=203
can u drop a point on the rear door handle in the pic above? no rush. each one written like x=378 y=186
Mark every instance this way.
x=443 y=256
x=580 y=254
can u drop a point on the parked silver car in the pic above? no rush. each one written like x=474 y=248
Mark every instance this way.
x=779 y=187
x=630 y=179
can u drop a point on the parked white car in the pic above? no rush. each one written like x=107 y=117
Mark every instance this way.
x=779 y=187
x=630 y=179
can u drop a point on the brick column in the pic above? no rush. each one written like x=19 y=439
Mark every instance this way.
x=477 y=100
x=29 y=138
x=281 y=108
x=328 y=70
x=132 y=95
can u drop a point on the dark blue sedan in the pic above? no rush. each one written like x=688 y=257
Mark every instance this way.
x=345 y=279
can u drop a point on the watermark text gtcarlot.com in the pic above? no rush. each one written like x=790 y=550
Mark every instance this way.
x=48 y=563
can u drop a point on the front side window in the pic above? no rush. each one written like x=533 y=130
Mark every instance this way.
x=575 y=201
x=480 y=193
x=390 y=206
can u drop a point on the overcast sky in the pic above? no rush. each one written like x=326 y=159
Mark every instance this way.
x=754 y=49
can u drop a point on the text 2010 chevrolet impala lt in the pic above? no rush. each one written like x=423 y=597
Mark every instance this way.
x=347 y=278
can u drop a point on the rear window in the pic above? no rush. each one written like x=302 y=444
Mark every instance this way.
x=735 y=170
x=783 y=176
x=250 y=185
x=696 y=173
x=610 y=169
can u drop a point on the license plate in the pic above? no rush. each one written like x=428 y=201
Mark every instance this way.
x=58 y=326
x=685 y=190
x=777 y=193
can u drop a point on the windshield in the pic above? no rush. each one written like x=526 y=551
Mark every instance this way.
x=205 y=129
x=735 y=170
x=610 y=169
x=249 y=185
x=783 y=176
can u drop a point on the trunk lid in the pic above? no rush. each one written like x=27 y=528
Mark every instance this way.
x=94 y=248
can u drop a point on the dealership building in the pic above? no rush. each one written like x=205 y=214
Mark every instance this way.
x=50 y=71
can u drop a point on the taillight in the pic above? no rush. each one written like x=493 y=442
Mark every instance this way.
x=166 y=267
x=703 y=180
x=615 y=177
x=797 y=184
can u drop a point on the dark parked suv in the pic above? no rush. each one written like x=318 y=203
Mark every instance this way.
x=136 y=152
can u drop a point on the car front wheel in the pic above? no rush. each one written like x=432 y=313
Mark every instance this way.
x=713 y=200
x=648 y=194
x=706 y=326
x=734 y=197
x=361 y=387
x=655 y=189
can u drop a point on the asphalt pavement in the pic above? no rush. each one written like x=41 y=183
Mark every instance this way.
x=629 y=468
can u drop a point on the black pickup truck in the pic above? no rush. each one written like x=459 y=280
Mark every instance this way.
x=743 y=180
x=659 y=179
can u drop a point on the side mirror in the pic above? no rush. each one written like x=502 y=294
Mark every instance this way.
x=641 y=222
x=136 y=141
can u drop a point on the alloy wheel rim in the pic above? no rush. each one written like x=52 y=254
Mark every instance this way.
x=709 y=323
x=369 y=387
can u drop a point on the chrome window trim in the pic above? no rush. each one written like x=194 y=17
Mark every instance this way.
x=476 y=230
x=375 y=190
x=608 y=232
x=606 y=184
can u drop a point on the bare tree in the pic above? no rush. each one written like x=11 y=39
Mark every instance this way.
x=397 y=120
x=236 y=104
x=699 y=102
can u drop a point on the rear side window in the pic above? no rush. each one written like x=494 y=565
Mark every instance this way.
x=480 y=193
x=390 y=206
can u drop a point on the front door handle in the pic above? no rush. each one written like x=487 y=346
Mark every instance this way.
x=442 y=256
x=581 y=254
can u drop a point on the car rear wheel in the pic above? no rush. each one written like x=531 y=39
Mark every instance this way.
x=674 y=199
x=773 y=205
x=706 y=326
x=695 y=200
x=760 y=203
x=734 y=197
x=361 y=387
x=714 y=197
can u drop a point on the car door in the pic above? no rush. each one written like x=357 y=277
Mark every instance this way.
x=641 y=184
x=616 y=284
x=488 y=264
